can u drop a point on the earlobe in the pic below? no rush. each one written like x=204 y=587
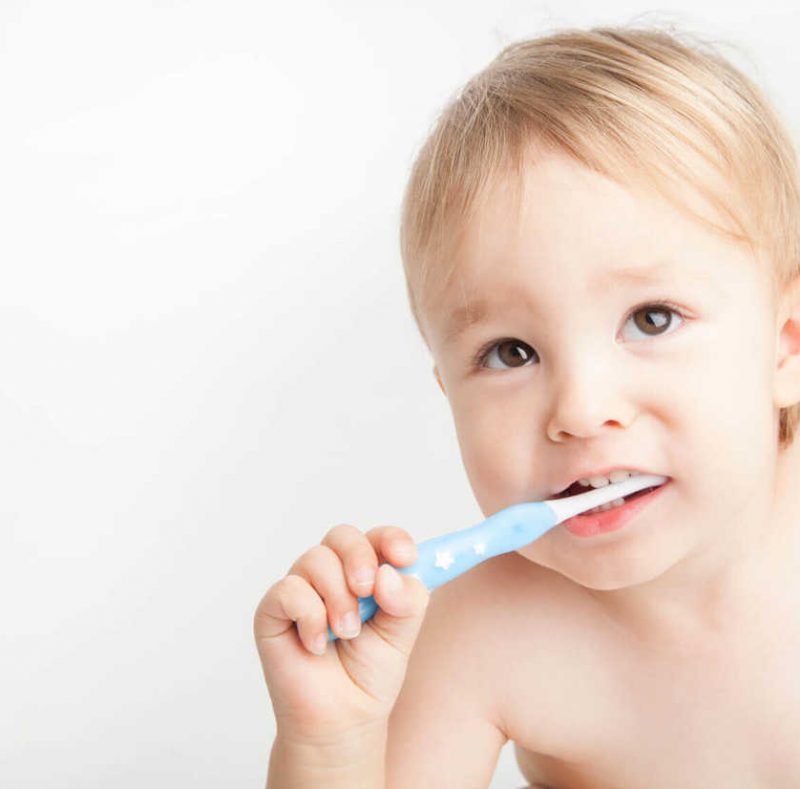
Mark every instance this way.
x=439 y=380
x=787 y=371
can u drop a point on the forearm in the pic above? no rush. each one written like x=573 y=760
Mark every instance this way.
x=358 y=762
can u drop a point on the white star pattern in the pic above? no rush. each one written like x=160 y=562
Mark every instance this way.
x=479 y=548
x=444 y=559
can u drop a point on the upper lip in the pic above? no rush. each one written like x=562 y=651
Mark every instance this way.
x=574 y=476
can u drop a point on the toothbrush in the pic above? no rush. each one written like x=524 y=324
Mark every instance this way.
x=443 y=558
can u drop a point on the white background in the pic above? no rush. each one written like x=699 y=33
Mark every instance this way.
x=206 y=355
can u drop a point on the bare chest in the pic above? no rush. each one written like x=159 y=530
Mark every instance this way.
x=612 y=716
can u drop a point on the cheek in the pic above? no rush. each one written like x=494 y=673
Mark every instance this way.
x=495 y=431
x=497 y=445
x=726 y=414
x=714 y=377
x=731 y=385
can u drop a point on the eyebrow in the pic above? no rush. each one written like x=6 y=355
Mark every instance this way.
x=476 y=312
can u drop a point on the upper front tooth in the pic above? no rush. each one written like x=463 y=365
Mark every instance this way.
x=615 y=476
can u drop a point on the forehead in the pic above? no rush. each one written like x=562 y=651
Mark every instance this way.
x=555 y=206
x=559 y=228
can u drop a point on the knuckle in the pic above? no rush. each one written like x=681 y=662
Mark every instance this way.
x=292 y=591
x=313 y=559
x=354 y=549
x=321 y=554
x=325 y=581
x=401 y=534
x=397 y=541
x=389 y=533
x=339 y=532
x=290 y=584
x=301 y=601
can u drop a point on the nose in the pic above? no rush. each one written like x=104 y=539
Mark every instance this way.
x=588 y=401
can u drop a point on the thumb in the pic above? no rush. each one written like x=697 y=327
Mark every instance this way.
x=402 y=600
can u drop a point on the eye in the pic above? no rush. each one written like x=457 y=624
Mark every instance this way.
x=654 y=319
x=512 y=352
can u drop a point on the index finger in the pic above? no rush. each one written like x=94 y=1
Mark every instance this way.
x=361 y=553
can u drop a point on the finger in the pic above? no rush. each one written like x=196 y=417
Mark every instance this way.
x=357 y=556
x=402 y=601
x=323 y=569
x=393 y=544
x=291 y=600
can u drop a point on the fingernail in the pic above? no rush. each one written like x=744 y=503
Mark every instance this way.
x=364 y=576
x=350 y=625
x=403 y=549
x=394 y=583
x=318 y=647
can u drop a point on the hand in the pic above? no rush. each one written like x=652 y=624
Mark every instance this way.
x=357 y=679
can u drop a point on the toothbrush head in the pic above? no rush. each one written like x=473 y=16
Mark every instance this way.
x=569 y=506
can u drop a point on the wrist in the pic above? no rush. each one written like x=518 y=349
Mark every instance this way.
x=352 y=760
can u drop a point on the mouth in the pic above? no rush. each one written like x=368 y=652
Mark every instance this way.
x=614 y=517
x=576 y=488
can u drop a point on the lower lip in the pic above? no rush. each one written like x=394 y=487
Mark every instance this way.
x=613 y=519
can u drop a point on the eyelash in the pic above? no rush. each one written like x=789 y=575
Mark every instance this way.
x=483 y=352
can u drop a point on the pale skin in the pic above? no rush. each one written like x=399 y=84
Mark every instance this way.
x=661 y=655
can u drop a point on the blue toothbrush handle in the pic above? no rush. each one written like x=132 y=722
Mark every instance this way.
x=443 y=558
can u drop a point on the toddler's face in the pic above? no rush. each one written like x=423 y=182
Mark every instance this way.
x=577 y=364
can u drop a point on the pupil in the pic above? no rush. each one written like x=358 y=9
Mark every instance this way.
x=513 y=359
x=649 y=324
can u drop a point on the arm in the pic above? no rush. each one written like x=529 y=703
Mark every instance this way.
x=444 y=729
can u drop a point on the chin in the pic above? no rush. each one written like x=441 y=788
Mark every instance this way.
x=603 y=573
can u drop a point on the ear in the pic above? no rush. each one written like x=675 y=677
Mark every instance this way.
x=439 y=380
x=787 y=371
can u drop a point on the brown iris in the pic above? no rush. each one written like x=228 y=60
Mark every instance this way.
x=647 y=325
x=514 y=353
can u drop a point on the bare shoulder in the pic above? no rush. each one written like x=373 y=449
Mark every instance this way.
x=480 y=639
x=556 y=661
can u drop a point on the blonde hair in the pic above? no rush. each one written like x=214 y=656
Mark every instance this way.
x=639 y=106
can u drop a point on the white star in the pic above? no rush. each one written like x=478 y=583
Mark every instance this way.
x=479 y=548
x=444 y=559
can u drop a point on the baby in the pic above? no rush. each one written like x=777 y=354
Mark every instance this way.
x=601 y=241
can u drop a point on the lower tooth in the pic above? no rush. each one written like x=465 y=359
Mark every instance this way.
x=607 y=506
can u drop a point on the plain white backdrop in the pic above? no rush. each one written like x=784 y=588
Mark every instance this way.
x=206 y=355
